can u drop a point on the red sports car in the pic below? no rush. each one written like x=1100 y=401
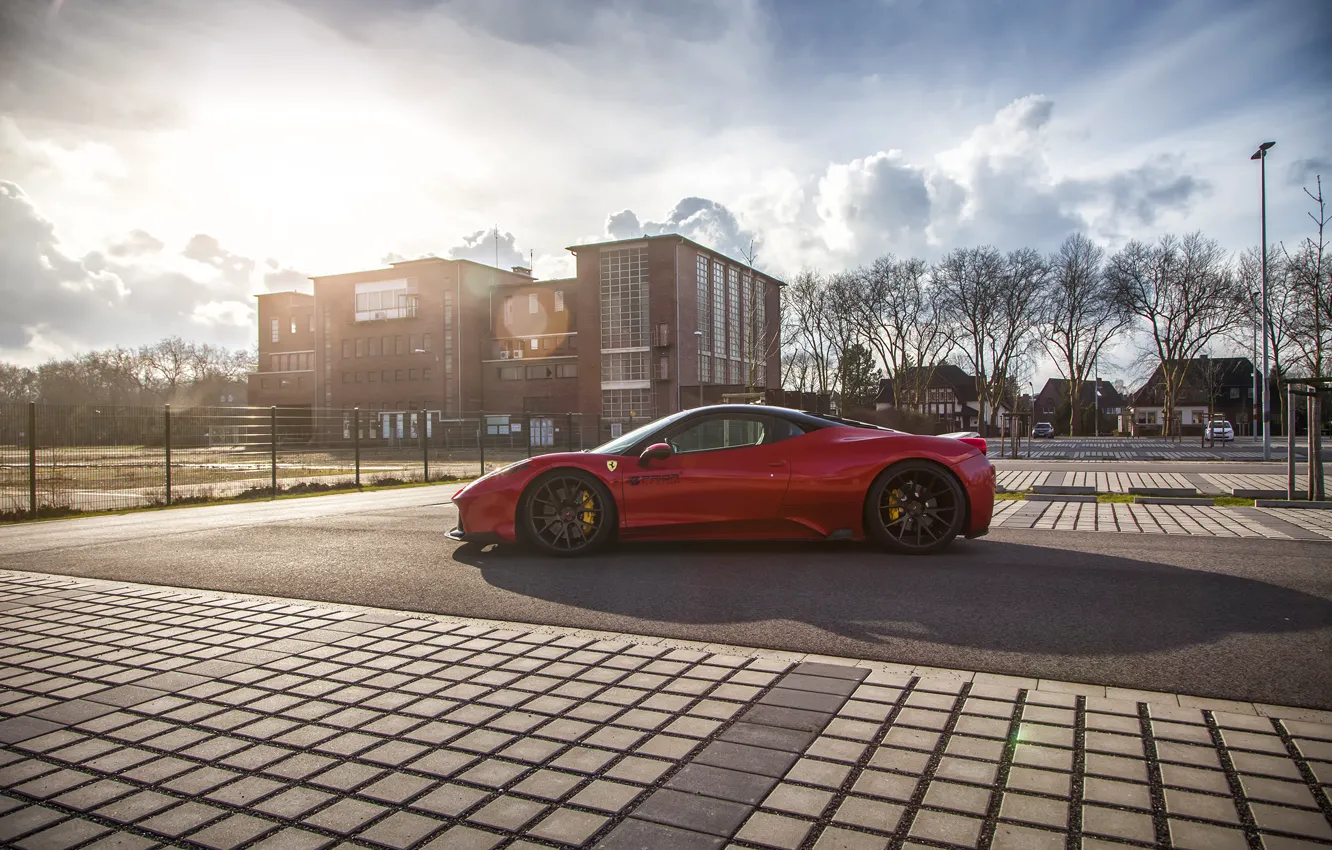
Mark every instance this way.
x=738 y=472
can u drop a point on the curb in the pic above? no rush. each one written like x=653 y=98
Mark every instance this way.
x=1287 y=503
x=1173 y=500
x=1048 y=497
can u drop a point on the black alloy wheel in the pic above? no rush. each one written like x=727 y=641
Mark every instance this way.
x=567 y=512
x=915 y=507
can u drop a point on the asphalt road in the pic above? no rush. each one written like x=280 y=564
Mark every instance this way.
x=1239 y=619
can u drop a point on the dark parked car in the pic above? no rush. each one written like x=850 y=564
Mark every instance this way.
x=1042 y=429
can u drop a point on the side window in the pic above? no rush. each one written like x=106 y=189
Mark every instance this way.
x=782 y=429
x=717 y=433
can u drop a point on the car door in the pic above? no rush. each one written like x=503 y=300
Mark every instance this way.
x=728 y=474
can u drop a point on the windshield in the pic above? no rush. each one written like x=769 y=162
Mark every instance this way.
x=623 y=442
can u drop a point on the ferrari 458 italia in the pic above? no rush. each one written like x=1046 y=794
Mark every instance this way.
x=738 y=472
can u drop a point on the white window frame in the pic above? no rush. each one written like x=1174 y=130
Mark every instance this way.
x=533 y=303
x=559 y=301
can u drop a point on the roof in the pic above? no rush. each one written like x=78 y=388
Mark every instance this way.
x=531 y=281
x=1226 y=372
x=685 y=240
x=285 y=292
x=945 y=375
x=1110 y=396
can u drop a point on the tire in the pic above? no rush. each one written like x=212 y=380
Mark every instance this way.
x=915 y=526
x=566 y=513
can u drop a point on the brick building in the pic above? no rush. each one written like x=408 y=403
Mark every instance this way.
x=646 y=327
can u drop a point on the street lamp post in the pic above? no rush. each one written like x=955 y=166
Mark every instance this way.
x=1261 y=156
x=1253 y=401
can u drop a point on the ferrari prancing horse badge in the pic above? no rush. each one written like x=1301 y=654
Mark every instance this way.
x=611 y=464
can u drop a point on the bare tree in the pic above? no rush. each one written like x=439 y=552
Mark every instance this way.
x=762 y=337
x=1282 y=304
x=1079 y=316
x=1186 y=296
x=170 y=361
x=994 y=301
x=1309 y=276
x=816 y=327
x=897 y=314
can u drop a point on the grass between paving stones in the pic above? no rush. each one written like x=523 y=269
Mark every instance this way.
x=301 y=490
x=1127 y=499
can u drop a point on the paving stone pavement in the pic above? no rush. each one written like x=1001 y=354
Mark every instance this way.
x=135 y=717
x=1197 y=520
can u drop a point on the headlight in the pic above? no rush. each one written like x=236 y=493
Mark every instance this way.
x=504 y=470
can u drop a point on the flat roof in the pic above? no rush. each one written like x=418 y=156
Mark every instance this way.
x=684 y=239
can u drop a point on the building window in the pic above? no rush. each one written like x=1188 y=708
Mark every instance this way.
x=392 y=299
x=533 y=304
x=559 y=301
x=275 y=330
x=263 y=383
x=387 y=347
x=399 y=345
x=718 y=346
x=346 y=377
x=384 y=376
x=398 y=374
x=705 y=368
x=425 y=374
x=293 y=326
x=358 y=377
x=374 y=346
x=426 y=343
x=360 y=347
x=510 y=373
x=566 y=370
x=733 y=314
x=411 y=375
x=626 y=405
x=413 y=344
x=372 y=376
x=624 y=298
x=508 y=311
x=663 y=368
x=312 y=323
x=547 y=344
x=625 y=366
x=539 y=373
x=533 y=345
x=346 y=349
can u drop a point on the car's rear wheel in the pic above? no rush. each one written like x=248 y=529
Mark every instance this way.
x=914 y=507
x=566 y=512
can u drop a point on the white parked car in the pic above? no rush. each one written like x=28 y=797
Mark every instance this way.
x=1222 y=431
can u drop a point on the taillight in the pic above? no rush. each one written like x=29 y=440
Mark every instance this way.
x=978 y=442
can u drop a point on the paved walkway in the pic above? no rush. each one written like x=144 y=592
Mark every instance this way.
x=136 y=717
x=1147 y=448
x=1272 y=523
x=1111 y=481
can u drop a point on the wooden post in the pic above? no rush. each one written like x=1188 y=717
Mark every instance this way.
x=272 y=451
x=1290 y=442
x=527 y=430
x=481 y=437
x=356 y=442
x=1315 y=491
x=32 y=457
x=425 y=447
x=166 y=440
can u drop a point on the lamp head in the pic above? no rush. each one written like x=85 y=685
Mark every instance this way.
x=1262 y=150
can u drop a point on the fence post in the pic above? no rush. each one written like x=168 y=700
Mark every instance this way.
x=166 y=430
x=527 y=431
x=1290 y=441
x=425 y=447
x=481 y=437
x=32 y=457
x=1315 y=471
x=272 y=451
x=356 y=442
x=568 y=430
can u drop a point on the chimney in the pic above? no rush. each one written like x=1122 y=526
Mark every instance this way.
x=522 y=270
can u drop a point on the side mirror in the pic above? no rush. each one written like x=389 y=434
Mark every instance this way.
x=656 y=451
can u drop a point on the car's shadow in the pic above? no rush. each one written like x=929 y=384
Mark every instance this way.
x=992 y=595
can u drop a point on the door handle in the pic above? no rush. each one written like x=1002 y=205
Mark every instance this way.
x=777 y=464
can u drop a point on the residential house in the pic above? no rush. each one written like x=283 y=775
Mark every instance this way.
x=1221 y=386
x=1052 y=405
x=950 y=397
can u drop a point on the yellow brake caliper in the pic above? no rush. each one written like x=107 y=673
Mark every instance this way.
x=893 y=511
x=589 y=518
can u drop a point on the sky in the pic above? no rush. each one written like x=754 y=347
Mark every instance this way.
x=163 y=162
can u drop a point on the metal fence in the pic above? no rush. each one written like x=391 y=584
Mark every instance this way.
x=73 y=458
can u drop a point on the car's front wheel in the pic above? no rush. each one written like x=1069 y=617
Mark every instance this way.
x=566 y=512
x=914 y=507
